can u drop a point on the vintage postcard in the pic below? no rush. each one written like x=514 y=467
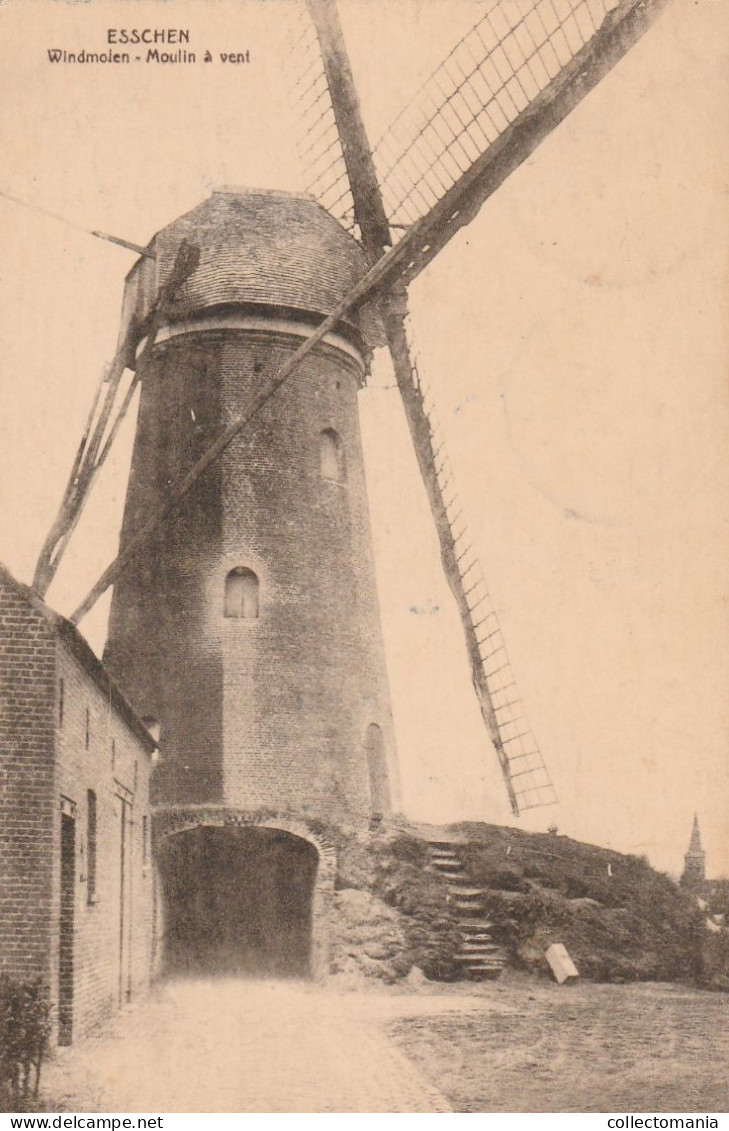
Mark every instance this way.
x=363 y=566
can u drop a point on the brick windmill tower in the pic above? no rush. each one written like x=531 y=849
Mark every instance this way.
x=244 y=622
x=248 y=629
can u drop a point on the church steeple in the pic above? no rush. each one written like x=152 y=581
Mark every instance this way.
x=695 y=848
x=694 y=869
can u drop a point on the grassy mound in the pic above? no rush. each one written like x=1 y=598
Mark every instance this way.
x=395 y=869
x=620 y=919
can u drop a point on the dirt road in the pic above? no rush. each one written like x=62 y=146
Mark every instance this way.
x=240 y=1046
x=514 y=1045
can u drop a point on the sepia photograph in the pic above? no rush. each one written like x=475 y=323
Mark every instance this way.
x=364 y=559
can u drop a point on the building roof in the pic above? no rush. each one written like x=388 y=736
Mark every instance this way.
x=69 y=635
x=694 y=848
x=257 y=248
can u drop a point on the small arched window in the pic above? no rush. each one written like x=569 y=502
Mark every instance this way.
x=241 y=594
x=331 y=456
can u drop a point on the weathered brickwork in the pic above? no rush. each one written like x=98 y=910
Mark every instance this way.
x=113 y=952
x=304 y=680
x=67 y=734
x=270 y=710
x=157 y=648
x=28 y=804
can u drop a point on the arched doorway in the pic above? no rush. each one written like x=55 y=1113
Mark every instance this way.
x=238 y=900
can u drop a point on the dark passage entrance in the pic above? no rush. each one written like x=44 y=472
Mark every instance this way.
x=238 y=900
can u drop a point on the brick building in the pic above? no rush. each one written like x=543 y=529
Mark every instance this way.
x=76 y=885
x=248 y=628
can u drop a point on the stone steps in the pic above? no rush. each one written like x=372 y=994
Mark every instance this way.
x=479 y=962
x=479 y=956
x=469 y=905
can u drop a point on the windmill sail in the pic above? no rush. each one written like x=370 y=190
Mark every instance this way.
x=493 y=75
x=103 y=424
x=499 y=93
x=525 y=775
x=319 y=142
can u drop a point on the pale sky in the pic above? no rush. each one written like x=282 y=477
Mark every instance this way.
x=575 y=339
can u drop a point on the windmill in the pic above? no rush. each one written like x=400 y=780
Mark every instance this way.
x=496 y=96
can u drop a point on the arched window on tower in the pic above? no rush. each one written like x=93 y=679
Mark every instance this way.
x=377 y=767
x=331 y=456
x=241 y=594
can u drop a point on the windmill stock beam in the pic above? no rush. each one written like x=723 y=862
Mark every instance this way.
x=620 y=30
x=90 y=455
x=369 y=211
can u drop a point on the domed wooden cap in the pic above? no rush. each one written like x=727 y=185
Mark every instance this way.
x=257 y=249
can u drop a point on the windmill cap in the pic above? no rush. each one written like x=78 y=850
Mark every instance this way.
x=250 y=190
x=258 y=247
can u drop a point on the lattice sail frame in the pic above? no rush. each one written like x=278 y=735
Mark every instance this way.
x=525 y=773
x=319 y=144
x=491 y=77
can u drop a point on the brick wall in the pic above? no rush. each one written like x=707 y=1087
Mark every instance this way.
x=97 y=751
x=306 y=678
x=64 y=732
x=157 y=647
x=27 y=803
x=271 y=712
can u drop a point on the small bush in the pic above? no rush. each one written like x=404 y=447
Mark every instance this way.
x=714 y=961
x=25 y=1022
x=485 y=871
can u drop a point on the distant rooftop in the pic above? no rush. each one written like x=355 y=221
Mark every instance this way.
x=72 y=638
